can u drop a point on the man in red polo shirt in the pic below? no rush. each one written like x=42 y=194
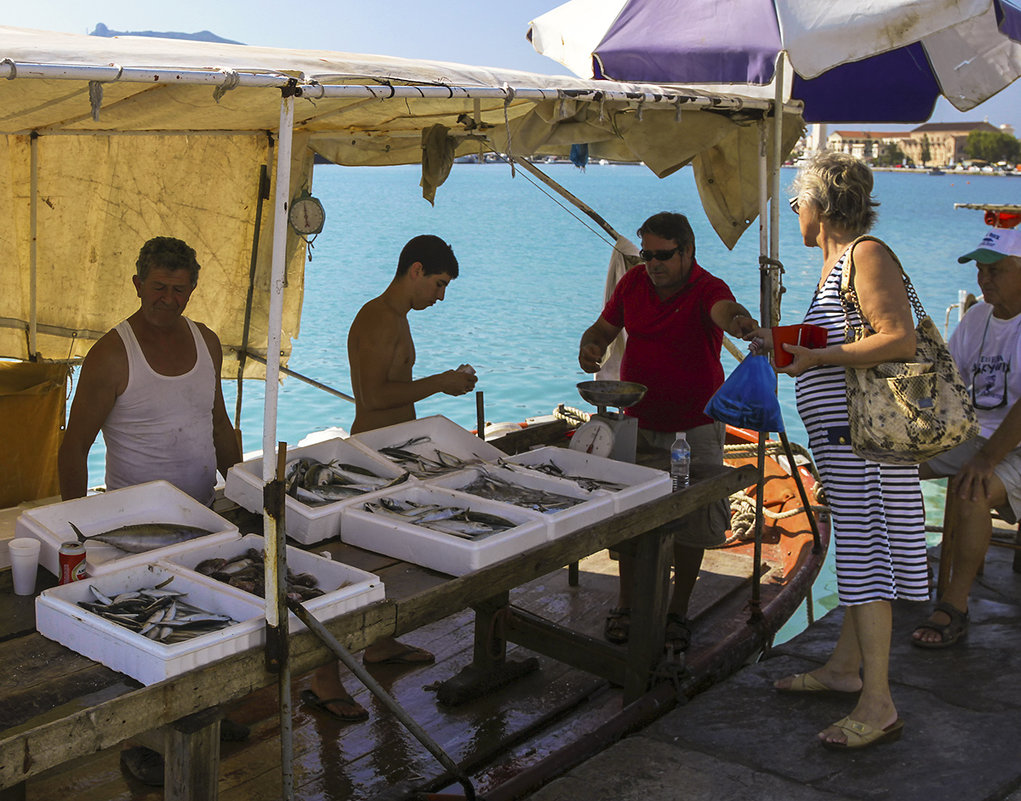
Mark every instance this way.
x=675 y=314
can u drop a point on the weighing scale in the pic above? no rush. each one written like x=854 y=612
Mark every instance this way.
x=609 y=434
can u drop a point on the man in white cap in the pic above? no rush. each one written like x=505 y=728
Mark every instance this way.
x=985 y=471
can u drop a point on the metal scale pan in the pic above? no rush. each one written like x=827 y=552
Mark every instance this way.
x=609 y=434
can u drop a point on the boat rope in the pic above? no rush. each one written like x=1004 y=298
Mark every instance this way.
x=570 y=415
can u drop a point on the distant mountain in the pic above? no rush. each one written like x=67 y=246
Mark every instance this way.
x=201 y=36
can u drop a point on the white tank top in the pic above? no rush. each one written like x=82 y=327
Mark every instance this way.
x=161 y=427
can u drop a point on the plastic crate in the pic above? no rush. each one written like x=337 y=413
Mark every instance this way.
x=346 y=587
x=438 y=551
x=59 y=618
x=592 y=506
x=643 y=484
x=152 y=502
x=443 y=434
x=304 y=523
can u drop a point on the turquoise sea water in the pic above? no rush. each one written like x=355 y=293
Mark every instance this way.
x=532 y=276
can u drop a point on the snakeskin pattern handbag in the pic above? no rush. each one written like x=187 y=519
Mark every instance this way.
x=904 y=412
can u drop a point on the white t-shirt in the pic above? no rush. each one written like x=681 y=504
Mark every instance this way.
x=988 y=354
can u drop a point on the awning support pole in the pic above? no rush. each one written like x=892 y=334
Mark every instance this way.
x=276 y=612
x=33 y=209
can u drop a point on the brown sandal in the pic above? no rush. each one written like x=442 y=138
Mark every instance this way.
x=617 y=628
x=949 y=633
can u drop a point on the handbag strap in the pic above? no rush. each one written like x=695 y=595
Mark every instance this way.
x=848 y=296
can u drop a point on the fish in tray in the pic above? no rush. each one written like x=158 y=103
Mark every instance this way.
x=141 y=537
x=157 y=613
x=248 y=572
x=492 y=487
x=421 y=465
x=551 y=468
x=315 y=483
x=458 y=521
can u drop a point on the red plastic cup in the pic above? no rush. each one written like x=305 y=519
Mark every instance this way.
x=807 y=336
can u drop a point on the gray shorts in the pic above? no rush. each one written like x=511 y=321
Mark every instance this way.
x=1008 y=471
x=707 y=527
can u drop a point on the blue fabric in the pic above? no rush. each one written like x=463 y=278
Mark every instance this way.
x=1008 y=18
x=664 y=41
x=747 y=398
x=898 y=86
x=579 y=155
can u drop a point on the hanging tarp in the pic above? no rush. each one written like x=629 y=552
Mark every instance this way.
x=32 y=400
x=108 y=142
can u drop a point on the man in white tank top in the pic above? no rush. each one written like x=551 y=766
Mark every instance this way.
x=152 y=385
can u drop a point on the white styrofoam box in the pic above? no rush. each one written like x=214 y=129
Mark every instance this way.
x=58 y=617
x=443 y=434
x=593 y=507
x=643 y=483
x=152 y=502
x=433 y=549
x=307 y=524
x=345 y=587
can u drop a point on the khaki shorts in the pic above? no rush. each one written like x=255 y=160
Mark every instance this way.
x=1008 y=471
x=706 y=527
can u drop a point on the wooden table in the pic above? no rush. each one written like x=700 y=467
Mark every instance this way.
x=56 y=705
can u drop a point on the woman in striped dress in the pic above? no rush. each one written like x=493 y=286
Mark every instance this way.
x=877 y=513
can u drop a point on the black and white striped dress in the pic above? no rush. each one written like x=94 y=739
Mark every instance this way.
x=878 y=520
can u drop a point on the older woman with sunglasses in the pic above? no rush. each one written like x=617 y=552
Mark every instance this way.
x=877 y=513
x=986 y=470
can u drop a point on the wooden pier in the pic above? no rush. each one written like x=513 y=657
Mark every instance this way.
x=961 y=709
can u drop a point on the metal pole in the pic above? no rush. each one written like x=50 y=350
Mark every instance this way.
x=385 y=698
x=33 y=208
x=276 y=618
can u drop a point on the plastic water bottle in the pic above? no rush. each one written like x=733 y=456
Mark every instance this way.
x=680 y=461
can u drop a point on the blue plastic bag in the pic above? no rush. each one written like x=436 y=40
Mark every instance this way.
x=747 y=398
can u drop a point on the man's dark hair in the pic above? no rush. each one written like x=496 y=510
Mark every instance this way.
x=435 y=255
x=670 y=225
x=167 y=253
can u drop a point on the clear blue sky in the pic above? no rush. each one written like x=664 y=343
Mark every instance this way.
x=482 y=32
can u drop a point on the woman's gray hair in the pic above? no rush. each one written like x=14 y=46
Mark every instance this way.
x=840 y=187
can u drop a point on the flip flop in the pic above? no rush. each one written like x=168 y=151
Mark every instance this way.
x=311 y=699
x=862 y=735
x=807 y=683
x=409 y=655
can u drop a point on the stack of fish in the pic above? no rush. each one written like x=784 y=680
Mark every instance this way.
x=455 y=520
x=247 y=572
x=423 y=466
x=314 y=483
x=551 y=468
x=156 y=613
x=493 y=487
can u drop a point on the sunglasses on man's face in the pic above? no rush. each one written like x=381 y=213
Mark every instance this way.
x=657 y=255
x=795 y=205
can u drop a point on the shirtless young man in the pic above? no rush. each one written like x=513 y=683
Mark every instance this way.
x=382 y=354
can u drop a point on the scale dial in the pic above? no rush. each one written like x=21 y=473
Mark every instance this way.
x=306 y=214
x=595 y=437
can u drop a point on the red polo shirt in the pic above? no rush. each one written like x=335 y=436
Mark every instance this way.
x=673 y=346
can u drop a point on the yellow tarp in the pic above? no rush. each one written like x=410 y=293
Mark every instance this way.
x=32 y=399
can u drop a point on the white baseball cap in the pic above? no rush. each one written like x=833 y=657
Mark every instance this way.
x=997 y=243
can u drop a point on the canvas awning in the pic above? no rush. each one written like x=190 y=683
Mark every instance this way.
x=107 y=142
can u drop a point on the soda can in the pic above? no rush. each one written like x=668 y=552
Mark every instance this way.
x=72 y=562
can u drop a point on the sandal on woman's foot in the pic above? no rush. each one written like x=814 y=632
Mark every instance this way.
x=949 y=633
x=862 y=735
x=618 y=625
x=678 y=632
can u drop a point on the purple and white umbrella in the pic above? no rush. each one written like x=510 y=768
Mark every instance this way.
x=852 y=60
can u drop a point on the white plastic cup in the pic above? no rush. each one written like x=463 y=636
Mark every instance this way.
x=24 y=563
